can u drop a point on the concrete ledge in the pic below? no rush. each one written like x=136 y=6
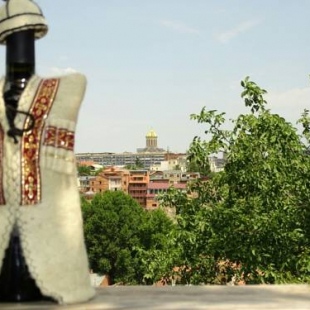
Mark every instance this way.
x=281 y=297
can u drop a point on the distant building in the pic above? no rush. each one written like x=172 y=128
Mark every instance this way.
x=122 y=159
x=151 y=144
x=110 y=179
x=132 y=182
x=137 y=185
x=150 y=155
x=178 y=176
x=172 y=162
x=216 y=164
x=84 y=183
x=156 y=188
x=162 y=170
x=189 y=176
x=156 y=176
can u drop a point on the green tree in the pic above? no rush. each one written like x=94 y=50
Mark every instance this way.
x=197 y=164
x=139 y=164
x=254 y=214
x=119 y=233
x=84 y=170
x=157 y=247
x=136 y=166
x=112 y=224
x=265 y=204
x=99 y=171
x=189 y=239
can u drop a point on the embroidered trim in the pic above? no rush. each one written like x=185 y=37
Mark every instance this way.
x=2 y=198
x=59 y=138
x=30 y=147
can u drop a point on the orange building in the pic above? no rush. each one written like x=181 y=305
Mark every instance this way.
x=85 y=163
x=137 y=185
x=111 y=179
x=133 y=182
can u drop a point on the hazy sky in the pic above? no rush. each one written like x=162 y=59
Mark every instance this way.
x=151 y=63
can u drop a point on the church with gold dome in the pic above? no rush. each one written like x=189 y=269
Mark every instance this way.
x=151 y=143
x=149 y=155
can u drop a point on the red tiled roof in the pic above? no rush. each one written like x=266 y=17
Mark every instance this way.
x=163 y=185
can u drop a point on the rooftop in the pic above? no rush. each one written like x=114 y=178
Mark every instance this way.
x=165 y=185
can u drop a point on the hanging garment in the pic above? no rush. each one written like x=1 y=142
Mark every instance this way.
x=38 y=187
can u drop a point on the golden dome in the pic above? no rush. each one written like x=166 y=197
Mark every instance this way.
x=151 y=134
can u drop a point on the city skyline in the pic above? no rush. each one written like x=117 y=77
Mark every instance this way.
x=150 y=64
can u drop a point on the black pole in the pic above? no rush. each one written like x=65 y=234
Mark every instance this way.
x=20 y=66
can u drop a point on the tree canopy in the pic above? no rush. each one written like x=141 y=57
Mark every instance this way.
x=84 y=170
x=254 y=216
x=116 y=229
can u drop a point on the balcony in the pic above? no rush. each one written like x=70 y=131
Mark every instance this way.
x=132 y=188
x=137 y=195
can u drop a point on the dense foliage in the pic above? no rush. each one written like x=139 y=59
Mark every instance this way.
x=252 y=218
x=84 y=170
x=117 y=229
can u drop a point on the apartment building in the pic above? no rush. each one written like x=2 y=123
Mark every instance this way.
x=137 y=185
x=121 y=159
x=112 y=179
x=176 y=176
x=133 y=182
x=177 y=162
x=156 y=188
x=84 y=183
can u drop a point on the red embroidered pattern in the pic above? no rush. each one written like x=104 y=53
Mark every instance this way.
x=2 y=199
x=59 y=138
x=30 y=170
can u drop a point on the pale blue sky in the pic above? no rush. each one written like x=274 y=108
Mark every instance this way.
x=151 y=63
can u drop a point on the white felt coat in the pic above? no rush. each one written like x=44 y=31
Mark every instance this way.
x=51 y=230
